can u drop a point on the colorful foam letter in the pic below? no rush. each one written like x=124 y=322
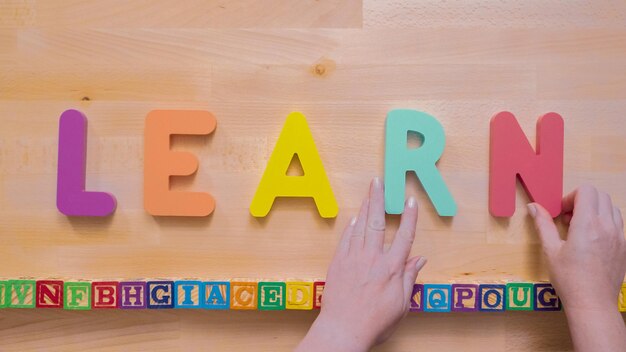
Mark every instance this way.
x=417 y=298
x=621 y=302
x=133 y=295
x=545 y=297
x=72 y=199
x=295 y=139
x=21 y=294
x=437 y=297
x=161 y=294
x=318 y=290
x=272 y=295
x=216 y=295
x=188 y=294
x=512 y=156
x=299 y=295
x=399 y=159
x=492 y=298
x=243 y=295
x=77 y=295
x=160 y=163
x=105 y=294
x=519 y=296
x=49 y=294
x=465 y=298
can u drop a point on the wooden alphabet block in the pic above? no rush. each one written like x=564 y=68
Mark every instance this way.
x=21 y=294
x=492 y=298
x=4 y=294
x=437 y=297
x=49 y=294
x=160 y=294
x=188 y=294
x=105 y=294
x=621 y=302
x=243 y=295
x=519 y=296
x=216 y=295
x=465 y=297
x=77 y=295
x=318 y=290
x=545 y=297
x=299 y=295
x=272 y=295
x=133 y=295
x=417 y=298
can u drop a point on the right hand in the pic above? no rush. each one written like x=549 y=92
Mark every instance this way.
x=587 y=269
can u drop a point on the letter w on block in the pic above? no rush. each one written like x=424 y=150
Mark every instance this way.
x=512 y=156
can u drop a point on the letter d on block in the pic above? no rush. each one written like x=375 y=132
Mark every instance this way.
x=160 y=163
x=399 y=159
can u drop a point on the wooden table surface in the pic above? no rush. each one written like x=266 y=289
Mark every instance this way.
x=344 y=64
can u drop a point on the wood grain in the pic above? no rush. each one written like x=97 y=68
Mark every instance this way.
x=344 y=64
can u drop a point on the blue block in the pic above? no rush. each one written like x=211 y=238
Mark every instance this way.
x=437 y=297
x=188 y=294
x=216 y=295
x=160 y=294
x=492 y=298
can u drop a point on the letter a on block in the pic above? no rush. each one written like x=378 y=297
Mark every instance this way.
x=295 y=138
x=399 y=159
x=72 y=199
x=512 y=156
x=160 y=163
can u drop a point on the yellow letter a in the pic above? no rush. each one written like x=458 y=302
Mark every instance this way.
x=295 y=138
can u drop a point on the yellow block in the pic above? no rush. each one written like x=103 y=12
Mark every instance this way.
x=299 y=295
x=621 y=302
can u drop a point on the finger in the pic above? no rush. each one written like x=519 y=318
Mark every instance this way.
x=411 y=269
x=356 y=238
x=566 y=218
x=403 y=241
x=344 y=242
x=617 y=217
x=544 y=223
x=375 y=230
x=605 y=206
x=584 y=199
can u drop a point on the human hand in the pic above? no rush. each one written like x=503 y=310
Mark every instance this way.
x=587 y=269
x=368 y=287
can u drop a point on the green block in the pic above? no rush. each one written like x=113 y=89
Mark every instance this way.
x=21 y=294
x=77 y=295
x=519 y=296
x=271 y=296
x=4 y=289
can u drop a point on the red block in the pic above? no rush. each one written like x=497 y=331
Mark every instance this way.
x=318 y=289
x=49 y=294
x=105 y=294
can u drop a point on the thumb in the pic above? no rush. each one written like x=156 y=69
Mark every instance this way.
x=544 y=223
x=411 y=268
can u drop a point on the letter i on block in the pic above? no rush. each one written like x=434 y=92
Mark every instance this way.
x=216 y=295
x=21 y=294
x=399 y=159
x=519 y=296
x=161 y=294
x=133 y=295
x=189 y=294
x=417 y=298
x=318 y=290
x=492 y=298
x=512 y=156
x=105 y=294
x=77 y=295
x=243 y=295
x=621 y=301
x=272 y=295
x=72 y=198
x=464 y=298
x=437 y=297
x=295 y=139
x=299 y=295
x=545 y=297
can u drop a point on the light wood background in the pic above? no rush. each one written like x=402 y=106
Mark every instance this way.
x=344 y=64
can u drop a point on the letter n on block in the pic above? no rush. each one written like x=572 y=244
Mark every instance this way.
x=272 y=295
x=299 y=295
x=49 y=294
x=105 y=294
x=437 y=297
x=492 y=298
x=545 y=297
x=318 y=290
x=417 y=298
x=465 y=298
x=133 y=295
x=512 y=156
x=216 y=295
x=519 y=296
x=77 y=295
x=189 y=294
x=243 y=295
x=160 y=294
x=621 y=301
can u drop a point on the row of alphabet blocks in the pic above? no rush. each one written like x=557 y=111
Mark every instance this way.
x=244 y=295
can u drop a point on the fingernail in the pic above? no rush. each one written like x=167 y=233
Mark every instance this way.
x=532 y=209
x=420 y=263
x=377 y=182
x=353 y=221
x=412 y=203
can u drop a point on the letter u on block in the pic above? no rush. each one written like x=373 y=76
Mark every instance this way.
x=512 y=156
x=160 y=163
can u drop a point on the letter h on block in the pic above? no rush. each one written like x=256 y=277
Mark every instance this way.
x=133 y=295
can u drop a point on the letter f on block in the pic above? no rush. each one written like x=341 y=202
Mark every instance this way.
x=72 y=199
x=512 y=156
